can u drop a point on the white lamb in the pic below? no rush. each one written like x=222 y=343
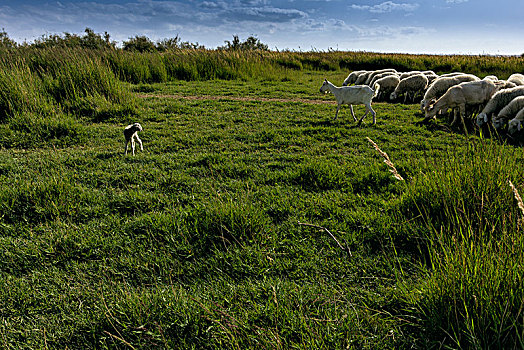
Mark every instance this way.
x=508 y=112
x=459 y=96
x=387 y=85
x=352 y=77
x=497 y=102
x=352 y=95
x=515 y=124
x=517 y=79
x=130 y=134
x=440 y=86
x=410 y=86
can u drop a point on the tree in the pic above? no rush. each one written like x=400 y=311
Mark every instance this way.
x=5 y=41
x=251 y=43
x=140 y=44
x=90 y=40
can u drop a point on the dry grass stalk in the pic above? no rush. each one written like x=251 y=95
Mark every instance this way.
x=517 y=197
x=388 y=162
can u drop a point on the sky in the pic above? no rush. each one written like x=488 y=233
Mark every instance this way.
x=406 y=26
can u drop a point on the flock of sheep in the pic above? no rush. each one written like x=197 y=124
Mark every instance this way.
x=500 y=102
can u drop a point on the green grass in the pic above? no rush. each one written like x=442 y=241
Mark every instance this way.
x=195 y=242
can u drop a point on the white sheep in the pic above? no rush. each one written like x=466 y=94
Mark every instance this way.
x=376 y=72
x=508 y=112
x=352 y=77
x=380 y=76
x=517 y=79
x=405 y=75
x=452 y=74
x=515 y=124
x=491 y=77
x=440 y=86
x=362 y=77
x=458 y=96
x=411 y=85
x=130 y=134
x=352 y=95
x=497 y=102
x=507 y=84
x=387 y=84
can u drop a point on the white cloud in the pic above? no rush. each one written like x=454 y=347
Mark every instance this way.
x=456 y=1
x=388 y=6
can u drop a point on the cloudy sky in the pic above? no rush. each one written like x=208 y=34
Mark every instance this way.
x=411 y=26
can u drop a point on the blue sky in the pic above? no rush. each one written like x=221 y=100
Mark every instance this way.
x=410 y=26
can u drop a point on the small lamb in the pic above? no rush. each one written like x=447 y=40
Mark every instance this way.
x=130 y=133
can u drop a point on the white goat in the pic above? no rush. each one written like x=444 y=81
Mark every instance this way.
x=352 y=95
x=130 y=134
x=498 y=101
x=508 y=112
x=458 y=96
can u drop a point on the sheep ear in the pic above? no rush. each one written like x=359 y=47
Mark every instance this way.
x=485 y=118
x=519 y=126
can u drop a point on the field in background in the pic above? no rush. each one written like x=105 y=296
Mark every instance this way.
x=196 y=241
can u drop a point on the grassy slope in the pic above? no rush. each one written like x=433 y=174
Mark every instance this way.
x=195 y=242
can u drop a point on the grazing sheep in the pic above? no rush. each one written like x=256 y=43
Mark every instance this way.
x=515 y=124
x=130 y=133
x=507 y=84
x=363 y=77
x=508 y=112
x=491 y=77
x=517 y=79
x=387 y=85
x=376 y=72
x=440 y=86
x=497 y=102
x=411 y=85
x=380 y=76
x=352 y=95
x=458 y=96
x=352 y=77
x=452 y=74
x=405 y=75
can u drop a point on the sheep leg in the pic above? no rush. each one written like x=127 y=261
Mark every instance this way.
x=133 y=145
x=140 y=142
x=352 y=113
x=125 y=147
x=462 y=112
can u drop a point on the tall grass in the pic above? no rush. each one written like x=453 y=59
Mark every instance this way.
x=472 y=294
x=47 y=93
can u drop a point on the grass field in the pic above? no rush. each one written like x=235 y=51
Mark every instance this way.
x=200 y=242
